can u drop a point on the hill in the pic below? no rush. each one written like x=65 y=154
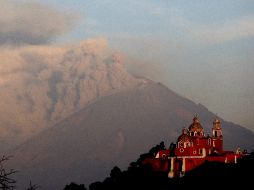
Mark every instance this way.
x=209 y=175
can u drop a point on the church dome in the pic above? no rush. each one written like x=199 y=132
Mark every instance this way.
x=216 y=124
x=195 y=128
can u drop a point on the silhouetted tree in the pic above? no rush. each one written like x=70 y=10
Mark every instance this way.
x=172 y=147
x=162 y=145
x=32 y=187
x=115 y=172
x=74 y=186
x=6 y=180
x=96 y=186
x=154 y=150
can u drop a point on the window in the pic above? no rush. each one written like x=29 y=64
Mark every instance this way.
x=200 y=151
x=209 y=141
x=163 y=156
x=194 y=152
x=181 y=150
x=180 y=144
x=186 y=144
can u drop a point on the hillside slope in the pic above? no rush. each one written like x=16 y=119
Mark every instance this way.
x=113 y=131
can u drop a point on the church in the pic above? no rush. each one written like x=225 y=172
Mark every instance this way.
x=192 y=149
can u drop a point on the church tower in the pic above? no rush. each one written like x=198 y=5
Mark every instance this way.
x=217 y=137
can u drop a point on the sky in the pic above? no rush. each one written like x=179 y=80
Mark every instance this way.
x=201 y=49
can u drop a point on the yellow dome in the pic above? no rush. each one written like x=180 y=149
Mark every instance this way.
x=196 y=127
x=216 y=124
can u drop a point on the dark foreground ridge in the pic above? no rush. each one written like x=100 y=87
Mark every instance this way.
x=210 y=175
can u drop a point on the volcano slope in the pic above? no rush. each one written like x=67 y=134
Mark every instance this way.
x=111 y=131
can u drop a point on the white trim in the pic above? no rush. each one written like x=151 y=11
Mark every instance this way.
x=171 y=172
x=187 y=157
x=183 y=166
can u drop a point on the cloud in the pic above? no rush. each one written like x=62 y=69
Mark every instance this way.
x=237 y=29
x=31 y=23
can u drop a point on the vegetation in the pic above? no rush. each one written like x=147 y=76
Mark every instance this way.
x=74 y=186
x=6 y=180
x=32 y=187
x=212 y=175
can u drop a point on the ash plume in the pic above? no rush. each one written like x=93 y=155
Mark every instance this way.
x=41 y=85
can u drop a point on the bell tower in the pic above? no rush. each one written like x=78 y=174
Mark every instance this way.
x=217 y=137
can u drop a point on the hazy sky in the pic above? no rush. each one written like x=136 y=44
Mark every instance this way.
x=202 y=49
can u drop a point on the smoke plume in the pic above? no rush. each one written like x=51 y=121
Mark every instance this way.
x=41 y=85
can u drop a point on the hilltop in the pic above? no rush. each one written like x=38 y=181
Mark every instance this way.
x=209 y=175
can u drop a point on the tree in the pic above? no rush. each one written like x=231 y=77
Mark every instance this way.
x=96 y=186
x=6 y=180
x=32 y=187
x=74 y=186
x=115 y=172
